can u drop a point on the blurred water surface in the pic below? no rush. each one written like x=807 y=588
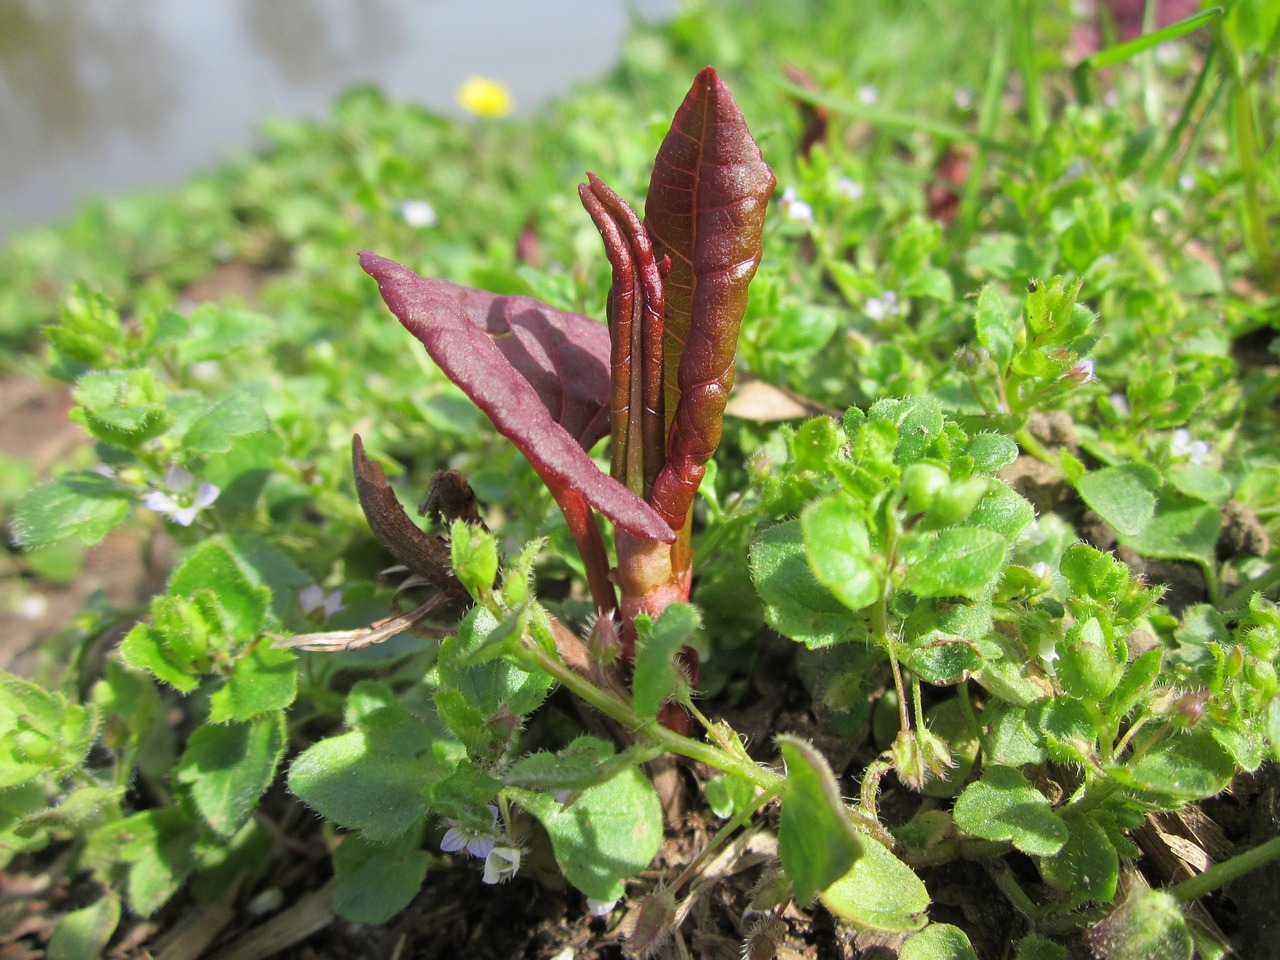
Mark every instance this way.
x=102 y=96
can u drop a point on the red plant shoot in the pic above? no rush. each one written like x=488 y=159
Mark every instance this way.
x=656 y=380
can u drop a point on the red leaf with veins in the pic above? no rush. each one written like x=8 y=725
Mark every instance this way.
x=705 y=210
x=539 y=374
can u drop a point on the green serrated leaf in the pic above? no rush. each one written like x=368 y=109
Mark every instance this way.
x=1182 y=529
x=85 y=932
x=1199 y=483
x=1011 y=741
x=85 y=505
x=919 y=422
x=161 y=848
x=955 y=562
x=838 y=546
x=144 y=648
x=991 y=452
x=657 y=677
x=214 y=566
x=122 y=407
x=1148 y=924
x=262 y=680
x=995 y=328
x=879 y=893
x=816 y=839
x=224 y=769
x=576 y=767
x=1124 y=496
x=1065 y=727
x=40 y=732
x=938 y=941
x=608 y=835
x=474 y=553
x=375 y=881
x=81 y=810
x=1002 y=806
x=370 y=779
x=1087 y=867
x=1002 y=511
x=1189 y=765
x=495 y=684
x=796 y=604
x=237 y=414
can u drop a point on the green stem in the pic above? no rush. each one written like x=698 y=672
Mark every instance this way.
x=1002 y=876
x=1255 y=221
x=721 y=835
x=1240 y=596
x=1223 y=873
x=648 y=727
x=1034 y=447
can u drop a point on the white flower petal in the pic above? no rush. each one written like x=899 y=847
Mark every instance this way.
x=206 y=493
x=178 y=478
x=453 y=840
x=501 y=864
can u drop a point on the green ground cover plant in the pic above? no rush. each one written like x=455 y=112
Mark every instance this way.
x=1000 y=478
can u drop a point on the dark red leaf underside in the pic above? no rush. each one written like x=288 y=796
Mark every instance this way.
x=564 y=356
x=705 y=210
x=527 y=366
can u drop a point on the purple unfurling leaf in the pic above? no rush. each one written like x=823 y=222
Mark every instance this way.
x=533 y=371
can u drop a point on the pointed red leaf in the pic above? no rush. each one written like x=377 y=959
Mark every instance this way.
x=636 y=317
x=529 y=368
x=705 y=210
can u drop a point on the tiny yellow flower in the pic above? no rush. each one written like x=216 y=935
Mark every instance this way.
x=485 y=97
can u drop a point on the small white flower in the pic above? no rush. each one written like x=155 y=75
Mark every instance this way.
x=1041 y=570
x=1048 y=653
x=1187 y=182
x=850 y=189
x=206 y=371
x=315 y=602
x=965 y=98
x=1183 y=447
x=795 y=209
x=478 y=842
x=268 y=901
x=418 y=213
x=868 y=94
x=32 y=606
x=501 y=864
x=1120 y=404
x=877 y=308
x=176 y=501
x=600 y=908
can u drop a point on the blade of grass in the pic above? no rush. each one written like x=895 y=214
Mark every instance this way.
x=1131 y=48
x=1024 y=51
x=893 y=120
x=1161 y=161
x=988 y=116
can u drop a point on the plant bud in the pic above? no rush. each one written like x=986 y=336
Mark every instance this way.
x=603 y=644
x=921 y=483
x=955 y=502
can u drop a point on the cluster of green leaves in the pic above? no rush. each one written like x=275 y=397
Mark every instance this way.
x=1110 y=267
